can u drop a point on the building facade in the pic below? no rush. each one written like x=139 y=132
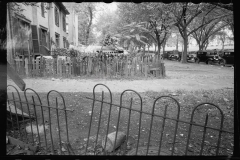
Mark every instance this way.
x=72 y=27
x=35 y=28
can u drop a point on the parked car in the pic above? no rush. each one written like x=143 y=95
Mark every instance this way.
x=175 y=55
x=165 y=55
x=207 y=56
x=192 y=56
x=227 y=57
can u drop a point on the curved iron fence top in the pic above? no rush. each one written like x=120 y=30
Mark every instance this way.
x=8 y=86
x=33 y=92
x=100 y=84
x=130 y=90
x=161 y=97
x=208 y=103
x=64 y=105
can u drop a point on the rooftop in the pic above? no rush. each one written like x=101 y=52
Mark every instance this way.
x=60 y=4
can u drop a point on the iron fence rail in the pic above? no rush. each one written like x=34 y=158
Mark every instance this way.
x=38 y=116
x=35 y=117
x=152 y=114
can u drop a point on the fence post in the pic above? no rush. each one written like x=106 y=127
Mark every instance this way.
x=60 y=67
x=33 y=67
x=63 y=68
x=38 y=66
x=41 y=67
x=81 y=68
x=26 y=66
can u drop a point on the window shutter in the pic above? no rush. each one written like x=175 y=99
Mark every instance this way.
x=64 y=23
x=57 y=18
x=67 y=44
x=35 y=39
x=40 y=36
x=42 y=7
x=40 y=40
x=48 y=40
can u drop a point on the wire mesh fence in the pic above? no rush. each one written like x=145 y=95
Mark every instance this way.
x=127 y=128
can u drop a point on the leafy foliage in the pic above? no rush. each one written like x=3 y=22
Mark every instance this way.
x=85 y=12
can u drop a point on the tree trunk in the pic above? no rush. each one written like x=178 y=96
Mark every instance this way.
x=155 y=48
x=177 y=43
x=184 y=54
x=201 y=47
x=164 y=48
x=148 y=48
x=144 y=50
x=159 y=50
x=89 y=25
x=206 y=45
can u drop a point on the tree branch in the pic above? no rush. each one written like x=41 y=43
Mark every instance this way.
x=205 y=24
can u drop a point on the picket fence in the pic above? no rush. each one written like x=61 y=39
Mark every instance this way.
x=90 y=66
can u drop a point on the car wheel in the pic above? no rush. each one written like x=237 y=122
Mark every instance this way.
x=197 y=60
x=222 y=62
x=209 y=62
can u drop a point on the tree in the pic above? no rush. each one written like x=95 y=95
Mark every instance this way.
x=185 y=13
x=222 y=36
x=150 y=18
x=203 y=34
x=130 y=15
x=165 y=42
x=229 y=20
x=133 y=35
x=107 y=23
x=85 y=12
x=225 y=6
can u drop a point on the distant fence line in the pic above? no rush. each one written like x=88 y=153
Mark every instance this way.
x=123 y=66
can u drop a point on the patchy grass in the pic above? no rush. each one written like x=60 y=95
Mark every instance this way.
x=79 y=118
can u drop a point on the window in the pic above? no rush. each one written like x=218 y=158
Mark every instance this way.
x=64 y=23
x=42 y=9
x=43 y=37
x=56 y=17
x=64 y=42
x=57 y=36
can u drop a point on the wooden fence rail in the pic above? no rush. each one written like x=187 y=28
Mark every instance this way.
x=89 y=66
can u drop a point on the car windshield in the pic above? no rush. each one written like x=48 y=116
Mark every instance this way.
x=203 y=53
x=212 y=53
x=229 y=53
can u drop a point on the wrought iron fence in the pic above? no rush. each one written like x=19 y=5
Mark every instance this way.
x=160 y=129
x=31 y=122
